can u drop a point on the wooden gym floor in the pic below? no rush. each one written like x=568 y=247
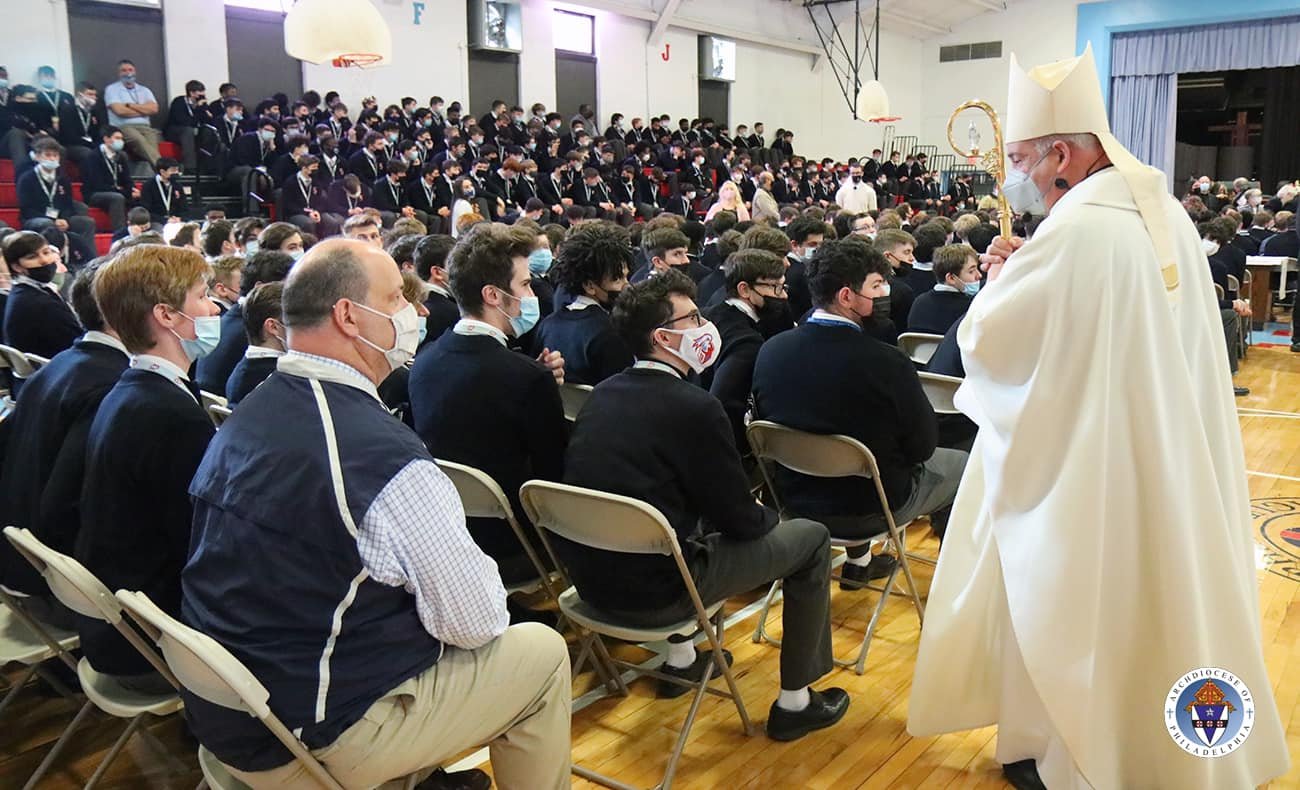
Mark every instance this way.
x=630 y=738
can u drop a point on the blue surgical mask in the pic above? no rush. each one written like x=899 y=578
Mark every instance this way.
x=530 y=310
x=267 y=135
x=50 y=164
x=207 y=333
x=970 y=289
x=297 y=254
x=251 y=247
x=424 y=332
x=4 y=82
x=49 y=83
x=118 y=145
x=539 y=261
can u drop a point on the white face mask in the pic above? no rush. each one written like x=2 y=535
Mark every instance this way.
x=699 y=347
x=1022 y=193
x=406 y=335
x=1210 y=246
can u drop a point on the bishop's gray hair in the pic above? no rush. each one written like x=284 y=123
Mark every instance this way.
x=1087 y=141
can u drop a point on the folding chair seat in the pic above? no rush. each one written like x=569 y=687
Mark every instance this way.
x=78 y=589
x=919 y=346
x=573 y=397
x=829 y=456
x=36 y=360
x=26 y=642
x=219 y=414
x=616 y=523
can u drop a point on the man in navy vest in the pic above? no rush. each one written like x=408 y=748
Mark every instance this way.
x=346 y=580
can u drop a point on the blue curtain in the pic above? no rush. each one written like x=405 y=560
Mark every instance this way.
x=1144 y=68
x=1144 y=118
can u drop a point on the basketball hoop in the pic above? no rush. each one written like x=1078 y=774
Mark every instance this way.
x=343 y=33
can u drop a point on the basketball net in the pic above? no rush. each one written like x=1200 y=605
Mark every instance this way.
x=355 y=59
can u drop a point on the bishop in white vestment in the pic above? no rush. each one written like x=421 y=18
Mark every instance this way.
x=1100 y=546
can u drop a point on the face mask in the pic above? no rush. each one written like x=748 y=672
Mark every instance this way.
x=239 y=116
x=207 y=333
x=1205 y=188
x=128 y=79
x=857 y=179
x=251 y=247
x=4 y=83
x=297 y=254
x=970 y=289
x=267 y=135
x=539 y=261
x=50 y=165
x=1022 y=193
x=42 y=274
x=1210 y=246
x=468 y=194
x=85 y=102
x=392 y=138
x=530 y=310
x=406 y=335
x=424 y=332
x=699 y=347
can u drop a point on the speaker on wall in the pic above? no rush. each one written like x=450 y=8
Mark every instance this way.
x=717 y=59
x=496 y=25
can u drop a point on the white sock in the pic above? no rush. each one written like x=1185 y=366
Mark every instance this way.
x=793 y=700
x=863 y=561
x=681 y=654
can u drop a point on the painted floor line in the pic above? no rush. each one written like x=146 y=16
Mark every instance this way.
x=1276 y=477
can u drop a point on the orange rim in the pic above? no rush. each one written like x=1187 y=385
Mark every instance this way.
x=360 y=59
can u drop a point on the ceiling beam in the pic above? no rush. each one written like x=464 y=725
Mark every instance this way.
x=991 y=5
x=665 y=18
x=919 y=24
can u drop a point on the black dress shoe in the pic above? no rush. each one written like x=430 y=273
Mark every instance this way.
x=1295 y=348
x=855 y=577
x=473 y=779
x=1023 y=775
x=691 y=674
x=824 y=709
x=1241 y=391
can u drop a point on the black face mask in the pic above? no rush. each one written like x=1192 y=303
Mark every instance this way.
x=857 y=179
x=880 y=308
x=774 y=317
x=610 y=298
x=42 y=274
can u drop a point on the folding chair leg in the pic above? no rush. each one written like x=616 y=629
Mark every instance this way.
x=680 y=746
x=720 y=661
x=58 y=747
x=911 y=585
x=860 y=665
x=17 y=687
x=602 y=657
x=55 y=683
x=760 y=630
x=113 y=752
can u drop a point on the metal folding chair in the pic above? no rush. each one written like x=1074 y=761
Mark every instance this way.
x=19 y=366
x=207 y=399
x=219 y=414
x=573 y=396
x=616 y=523
x=26 y=642
x=78 y=589
x=919 y=346
x=829 y=456
x=36 y=360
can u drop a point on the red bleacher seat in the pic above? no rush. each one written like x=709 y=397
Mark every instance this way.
x=102 y=242
x=100 y=217
x=10 y=217
x=172 y=150
x=8 y=194
x=6 y=170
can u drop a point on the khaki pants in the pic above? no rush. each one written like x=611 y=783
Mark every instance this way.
x=512 y=694
x=141 y=141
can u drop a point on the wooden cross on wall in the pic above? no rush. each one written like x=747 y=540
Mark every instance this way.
x=1240 y=129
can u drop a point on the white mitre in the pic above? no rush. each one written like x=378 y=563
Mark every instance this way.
x=1064 y=97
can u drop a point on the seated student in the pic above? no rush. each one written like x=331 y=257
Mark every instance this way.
x=138 y=221
x=1284 y=242
x=36 y=319
x=214 y=369
x=1231 y=309
x=305 y=201
x=929 y=238
x=755 y=292
x=946 y=360
x=223 y=285
x=829 y=377
x=281 y=237
x=44 y=460
x=592 y=268
x=431 y=266
x=348 y=197
x=388 y=195
x=713 y=289
x=477 y=402
x=957 y=268
x=246 y=233
x=376 y=530
x=647 y=433
x=665 y=249
x=896 y=247
x=422 y=195
x=218 y=242
x=364 y=227
x=266 y=341
x=45 y=197
x=163 y=194
x=806 y=234
x=144 y=444
x=106 y=177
